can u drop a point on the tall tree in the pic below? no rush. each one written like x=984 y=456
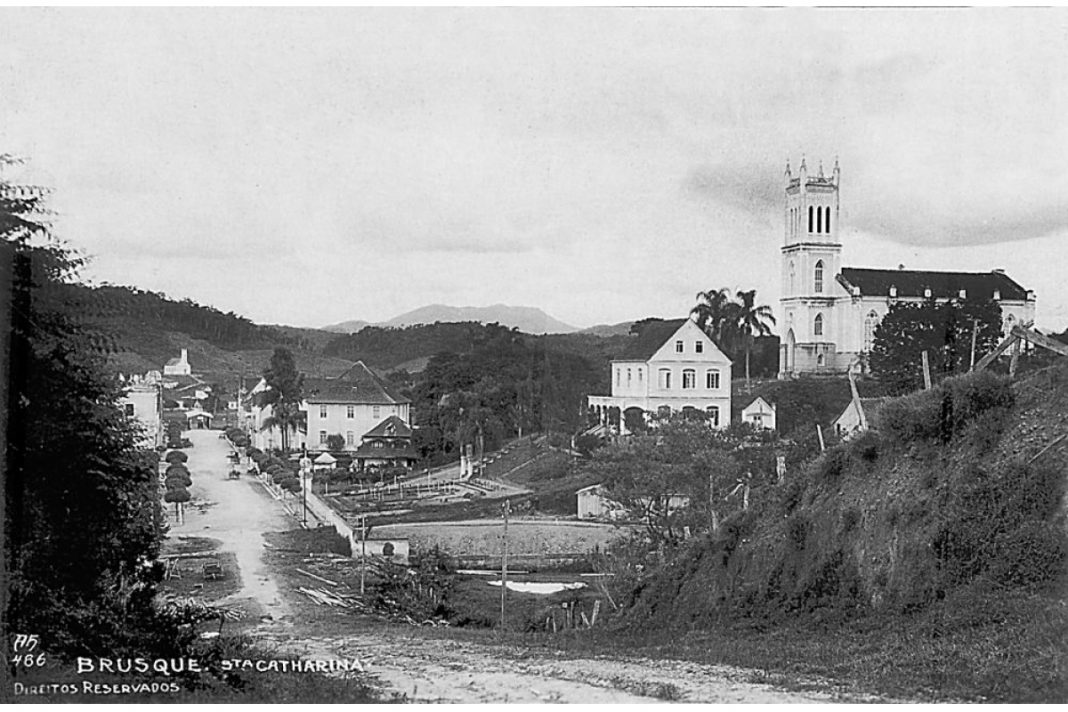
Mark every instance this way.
x=81 y=501
x=943 y=330
x=285 y=391
x=717 y=315
x=753 y=321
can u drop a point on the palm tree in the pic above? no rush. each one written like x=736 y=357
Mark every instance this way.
x=752 y=321
x=284 y=394
x=286 y=416
x=716 y=314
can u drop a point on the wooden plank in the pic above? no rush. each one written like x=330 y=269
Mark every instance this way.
x=1041 y=340
x=317 y=578
x=1002 y=348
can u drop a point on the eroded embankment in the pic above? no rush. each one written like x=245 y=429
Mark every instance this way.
x=931 y=524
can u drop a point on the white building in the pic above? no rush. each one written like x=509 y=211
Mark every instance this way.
x=351 y=405
x=829 y=312
x=142 y=400
x=670 y=367
x=178 y=366
x=760 y=414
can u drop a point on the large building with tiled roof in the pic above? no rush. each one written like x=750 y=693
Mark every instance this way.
x=351 y=405
x=829 y=312
x=668 y=367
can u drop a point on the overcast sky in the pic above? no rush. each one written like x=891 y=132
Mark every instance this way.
x=308 y=167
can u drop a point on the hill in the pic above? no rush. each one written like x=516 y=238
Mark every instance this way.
x=529 y=320
x=620 y=329
x=143 y=330
x=346 y=327
x=927 y=555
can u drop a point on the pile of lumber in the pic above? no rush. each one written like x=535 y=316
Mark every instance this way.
x=323 y=597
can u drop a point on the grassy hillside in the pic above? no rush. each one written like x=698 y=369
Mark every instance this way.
x=927 y=557
x=144 y=330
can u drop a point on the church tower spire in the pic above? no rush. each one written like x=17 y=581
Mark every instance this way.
x=811 y=263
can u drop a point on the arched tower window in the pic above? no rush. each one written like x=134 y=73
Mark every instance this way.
x=819 y=220
x=810 y=216
x=818 y=281
x=817 y=325
x=869 y=329
x=827 y=220
x=792 y=285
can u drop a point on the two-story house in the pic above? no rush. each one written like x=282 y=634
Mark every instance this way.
x=142 y=402
x=388 y=443
x=670 y=367
x=350 y=405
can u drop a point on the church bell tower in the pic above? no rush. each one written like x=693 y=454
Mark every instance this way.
x=811 y=260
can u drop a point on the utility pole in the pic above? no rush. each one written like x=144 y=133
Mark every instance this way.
x=304 y=484
x=363 y=551
x=975 y=328
x=504 y=561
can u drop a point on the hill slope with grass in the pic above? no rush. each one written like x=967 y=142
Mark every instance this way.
x=927 y=554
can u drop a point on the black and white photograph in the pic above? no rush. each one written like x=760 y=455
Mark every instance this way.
x=528 y=355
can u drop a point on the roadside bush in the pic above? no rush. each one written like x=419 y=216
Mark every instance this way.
x=866 y=445
x=176 y=468
x=911 y=418
x=832 y=464
x=176 y=456
x=976 y=393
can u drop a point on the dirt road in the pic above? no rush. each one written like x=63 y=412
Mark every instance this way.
x=239 y=512
x=406 y=660
x=434 y=669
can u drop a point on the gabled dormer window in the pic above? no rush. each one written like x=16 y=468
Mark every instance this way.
x=678 y=347
x=699 y=347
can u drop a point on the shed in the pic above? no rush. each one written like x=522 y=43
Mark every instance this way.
x=198 y=419
x=760 y=414
x=851 y=422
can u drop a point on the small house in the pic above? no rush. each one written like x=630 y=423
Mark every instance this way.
x=856 y=417
x=760 y=414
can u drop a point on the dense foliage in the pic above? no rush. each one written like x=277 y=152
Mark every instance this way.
x=502 y=386
x=82 y=513
x=684 y=475
x=943 y=330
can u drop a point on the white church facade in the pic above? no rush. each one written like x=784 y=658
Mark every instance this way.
x=828 y=313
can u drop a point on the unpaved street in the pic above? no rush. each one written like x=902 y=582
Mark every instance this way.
x=239 y=513
x=406 y=660
x=432 y=669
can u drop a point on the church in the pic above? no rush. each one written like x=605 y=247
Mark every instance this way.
x=828 y=313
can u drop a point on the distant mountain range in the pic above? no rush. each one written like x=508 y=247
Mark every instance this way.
x=530 y=320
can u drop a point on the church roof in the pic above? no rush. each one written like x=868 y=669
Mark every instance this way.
x=359 y=386
x=943 y=285
x=649 y=340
